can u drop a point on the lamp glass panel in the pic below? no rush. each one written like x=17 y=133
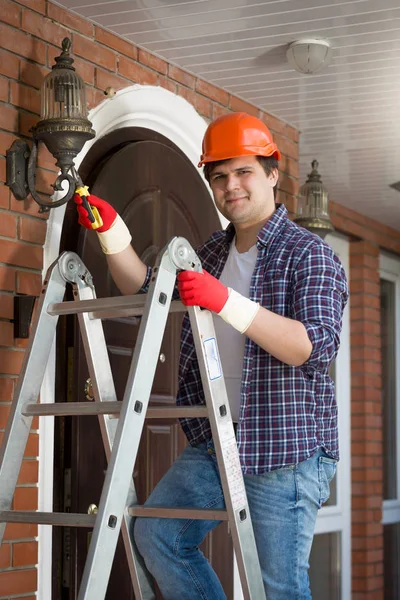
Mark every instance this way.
x=63 y=96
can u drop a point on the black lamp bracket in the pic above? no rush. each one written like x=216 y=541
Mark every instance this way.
x=21 y=176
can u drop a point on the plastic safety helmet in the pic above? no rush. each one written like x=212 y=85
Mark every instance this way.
x=237 y=134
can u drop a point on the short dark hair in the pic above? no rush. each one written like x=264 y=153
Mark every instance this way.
x=268 y=163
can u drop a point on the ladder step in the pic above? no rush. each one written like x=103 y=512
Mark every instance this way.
x=47 y=518
x=64 y=409
x=208 y=514
x=108 y=308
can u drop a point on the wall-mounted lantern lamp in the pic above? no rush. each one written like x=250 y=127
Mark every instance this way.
x=63 y=128
x=312 y=211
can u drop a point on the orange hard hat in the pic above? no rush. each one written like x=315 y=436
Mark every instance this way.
x=237 y=134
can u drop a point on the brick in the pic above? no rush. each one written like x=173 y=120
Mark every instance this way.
x=18 y=582
x=26 y=122
x=18 y=531
x=105 y=79
x=211 y=91
x=29 y=472
x=167 y=84
x=181 y=76
x=32 y=446
x=25 y=97
x=203 y=105
x=115 y=42
x=363 y=260
x=32 y=74
x=8 y=118
x=43 y=28
x=4 y=412
x=6 y=140
x=9 y=64
x=6 y=333
x=38 y=5
x=10 y=13
x=90 y=49
x=27 y=207
x=4 y=196
x=7 y=279
x=5 y=556
x=152 y=61
x=289 y=166
x=6 y=306
x=219 y=111
x=8 y=225
x=21 y=255
x=287 y=146
x=2 y=169
x=32 y=230
x=69 y=20
x=238 y=105
x=136 y=72
x=94 y=97
x=25 y=498
x=29 y=283
x=46 y=161
x=11 y=361
x=85 y=69
x=4 y=87
x=22 y=44
x=25 y=554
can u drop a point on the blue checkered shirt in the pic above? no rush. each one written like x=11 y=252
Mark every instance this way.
x=286 y=412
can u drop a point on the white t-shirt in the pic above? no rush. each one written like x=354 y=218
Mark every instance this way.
x=236 y=274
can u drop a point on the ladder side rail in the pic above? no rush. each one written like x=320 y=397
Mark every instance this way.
x=33 y=368
x=127 y=438
x=98 y=362
x=227 y=454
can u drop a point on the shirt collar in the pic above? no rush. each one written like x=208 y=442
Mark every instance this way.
x=271 y=228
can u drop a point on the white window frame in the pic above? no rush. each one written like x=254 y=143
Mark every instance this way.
x=389 y=267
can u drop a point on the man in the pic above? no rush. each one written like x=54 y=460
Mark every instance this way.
x=279 y=293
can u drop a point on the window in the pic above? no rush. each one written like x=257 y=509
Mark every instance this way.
x=390 y=345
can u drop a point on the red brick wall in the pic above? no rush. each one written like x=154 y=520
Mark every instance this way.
x=31 y=32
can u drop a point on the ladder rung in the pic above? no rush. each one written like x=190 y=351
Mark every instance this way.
x=64 y=409
x=108 y=308
x=47 y=518
x=209 y=514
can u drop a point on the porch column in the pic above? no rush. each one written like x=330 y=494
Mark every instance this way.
x=366 y=423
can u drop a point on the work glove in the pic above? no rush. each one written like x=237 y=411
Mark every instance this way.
x=113 y=234
x=204 y=290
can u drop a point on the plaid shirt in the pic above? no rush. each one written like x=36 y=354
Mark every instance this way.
x=286 y=412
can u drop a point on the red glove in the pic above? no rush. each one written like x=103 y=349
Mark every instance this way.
x=106 y=211
x=202 y=289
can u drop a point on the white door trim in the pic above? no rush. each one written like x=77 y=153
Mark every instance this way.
x=154 y=108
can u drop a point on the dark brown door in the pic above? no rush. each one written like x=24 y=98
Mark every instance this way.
x=159 y=194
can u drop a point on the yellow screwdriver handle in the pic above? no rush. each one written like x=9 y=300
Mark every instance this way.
x=93 y=214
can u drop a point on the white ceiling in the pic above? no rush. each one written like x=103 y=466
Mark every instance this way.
x=348 y=115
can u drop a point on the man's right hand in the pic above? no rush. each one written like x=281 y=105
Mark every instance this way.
x=114 y=236
x=106 y=212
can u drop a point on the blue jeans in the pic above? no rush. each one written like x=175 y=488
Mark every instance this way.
x=283 y=507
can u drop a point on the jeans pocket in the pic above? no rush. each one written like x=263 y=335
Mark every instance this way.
x=326 y=472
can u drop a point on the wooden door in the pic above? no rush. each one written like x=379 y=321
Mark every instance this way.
x=159 y=194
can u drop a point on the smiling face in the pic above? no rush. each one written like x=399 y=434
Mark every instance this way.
x=243 y=192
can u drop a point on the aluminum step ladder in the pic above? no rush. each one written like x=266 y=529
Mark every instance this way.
x=122 y=423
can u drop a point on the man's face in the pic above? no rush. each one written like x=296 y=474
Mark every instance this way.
x=242 y=191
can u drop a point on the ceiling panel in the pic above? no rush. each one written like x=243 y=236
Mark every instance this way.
x=348 y=115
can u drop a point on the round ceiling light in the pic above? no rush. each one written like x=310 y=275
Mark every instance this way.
x=309 y=56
